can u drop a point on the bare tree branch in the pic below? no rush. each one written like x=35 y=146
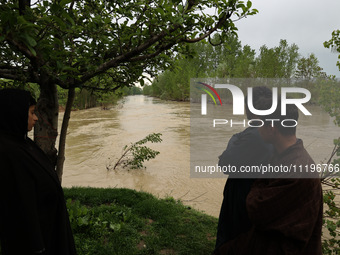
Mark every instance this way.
x=101 y=89
x=152 y=55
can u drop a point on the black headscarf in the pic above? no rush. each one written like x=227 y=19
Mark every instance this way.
x=14 y=104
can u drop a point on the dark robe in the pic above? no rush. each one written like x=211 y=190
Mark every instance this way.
x=286 y=214
x=33 y=214
x=244 y=149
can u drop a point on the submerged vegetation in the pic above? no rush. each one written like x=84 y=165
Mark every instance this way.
x=136 y=153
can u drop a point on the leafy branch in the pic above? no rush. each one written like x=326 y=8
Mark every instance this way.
x=136 y=153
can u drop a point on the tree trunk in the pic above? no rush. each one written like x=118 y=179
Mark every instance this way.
x=63 y=133
x=46 y=129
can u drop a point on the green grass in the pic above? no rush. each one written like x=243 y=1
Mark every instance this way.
x=124 y=221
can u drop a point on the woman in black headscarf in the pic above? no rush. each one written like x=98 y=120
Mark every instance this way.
x=33 y=214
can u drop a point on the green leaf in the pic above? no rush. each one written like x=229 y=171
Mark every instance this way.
x=21 y=20
x=64 y=2
x=30 y=40
x=32 y=50
x=68 y=17
x=59 y=21
x=115 y=227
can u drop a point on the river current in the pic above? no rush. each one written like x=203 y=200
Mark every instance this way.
x=96 y=139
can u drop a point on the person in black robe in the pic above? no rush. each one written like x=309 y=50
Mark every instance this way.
x=285 y=209
x=244 y=149
x=33 y=213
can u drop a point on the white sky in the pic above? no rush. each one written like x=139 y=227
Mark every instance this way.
x=307 y=23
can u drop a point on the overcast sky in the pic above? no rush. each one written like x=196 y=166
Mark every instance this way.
x=307 y=23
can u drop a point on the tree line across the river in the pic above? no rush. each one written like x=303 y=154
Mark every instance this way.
x=232 y=60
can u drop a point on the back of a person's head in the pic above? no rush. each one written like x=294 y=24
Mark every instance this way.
x=14 y=104
x=286 y=124
x=259 y=93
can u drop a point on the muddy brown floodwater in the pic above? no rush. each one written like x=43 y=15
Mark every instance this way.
x=96 y=138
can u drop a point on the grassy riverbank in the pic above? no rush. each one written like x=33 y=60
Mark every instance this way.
x=124 y=221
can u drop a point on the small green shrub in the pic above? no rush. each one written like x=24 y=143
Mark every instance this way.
x=135 y=154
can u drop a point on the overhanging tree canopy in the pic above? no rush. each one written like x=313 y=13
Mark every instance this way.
x=69 y=43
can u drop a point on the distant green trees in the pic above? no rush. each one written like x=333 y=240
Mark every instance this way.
x=85 y=99
x=308 y=68
x=277 y=62
x=232 y=60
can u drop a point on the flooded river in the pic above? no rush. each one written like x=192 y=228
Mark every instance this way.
x=96 y=138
